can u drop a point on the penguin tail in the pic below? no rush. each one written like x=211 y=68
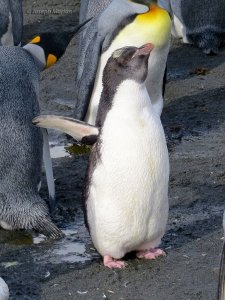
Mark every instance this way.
x=48 y=228
x=80 y=131
x=30 y=212
x=221 y=284
x=40 y=220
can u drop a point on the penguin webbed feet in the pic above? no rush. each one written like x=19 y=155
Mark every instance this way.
x=151 y=253
x=112 y=263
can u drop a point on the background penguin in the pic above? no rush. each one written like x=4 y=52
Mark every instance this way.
x=221 y=285
x=11 y=22
x=21 y=207
x=127 y=190
x=4 y=290
x=201 y=22
x=122 y=23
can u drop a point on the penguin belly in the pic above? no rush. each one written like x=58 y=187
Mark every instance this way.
x=127 y=203
x=143 y=30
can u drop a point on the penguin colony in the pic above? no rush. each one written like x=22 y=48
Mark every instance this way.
x=120 y=84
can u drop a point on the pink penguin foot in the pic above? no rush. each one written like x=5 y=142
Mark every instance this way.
x=113 y=263
x=151 y=254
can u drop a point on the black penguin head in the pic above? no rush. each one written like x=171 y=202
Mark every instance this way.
x=127 y=63
x=53 y=44
x=48 y=47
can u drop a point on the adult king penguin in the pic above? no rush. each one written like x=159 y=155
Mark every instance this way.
x=21 y=143
x=119 y=23
x=200 y=23
x=11 y=22
x=127 y=185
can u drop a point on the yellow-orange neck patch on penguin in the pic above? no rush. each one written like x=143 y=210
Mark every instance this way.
x=153 y=27
x=36 y=40
x=51 y=60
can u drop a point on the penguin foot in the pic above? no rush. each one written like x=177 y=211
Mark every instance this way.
x=111 y=263
x=150 y=254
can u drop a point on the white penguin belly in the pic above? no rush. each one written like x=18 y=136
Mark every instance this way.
x=127 y=205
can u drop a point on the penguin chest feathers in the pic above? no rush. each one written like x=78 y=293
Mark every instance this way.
x=127 y=203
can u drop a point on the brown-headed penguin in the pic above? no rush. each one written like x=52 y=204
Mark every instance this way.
x=21 y=143
x=127 y=184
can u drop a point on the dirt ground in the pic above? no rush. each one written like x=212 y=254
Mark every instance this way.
x=194 y=122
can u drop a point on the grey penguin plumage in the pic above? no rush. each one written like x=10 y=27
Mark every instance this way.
x=200 y=23
x=21 y=147
x=127 y=184
x=11 y=22
x=116 y=24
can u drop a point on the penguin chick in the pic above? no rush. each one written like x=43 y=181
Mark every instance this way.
x=221 y=285
x=121 y=23
x=11 y=22
x=4 y=290
x=200 y=23
x=21 y=147
x=127 y=184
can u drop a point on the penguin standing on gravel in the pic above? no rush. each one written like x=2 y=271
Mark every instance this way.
x=200 y=23
x=23 y=145
x=11 y=22
x=127 y=185
x=121 y=23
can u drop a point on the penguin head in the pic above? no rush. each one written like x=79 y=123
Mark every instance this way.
x=48 y=47
x=127 y=63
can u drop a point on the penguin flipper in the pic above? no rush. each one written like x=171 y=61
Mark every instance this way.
x=221 y=285
x=80 y=131
x=48 y=169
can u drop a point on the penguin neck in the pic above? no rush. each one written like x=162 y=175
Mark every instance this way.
x=131 y=97
x=126 y=100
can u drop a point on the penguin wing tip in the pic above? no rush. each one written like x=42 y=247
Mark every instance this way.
x=39 y=119
x=35 y=121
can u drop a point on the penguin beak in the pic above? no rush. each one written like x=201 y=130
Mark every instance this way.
x=144 y=50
